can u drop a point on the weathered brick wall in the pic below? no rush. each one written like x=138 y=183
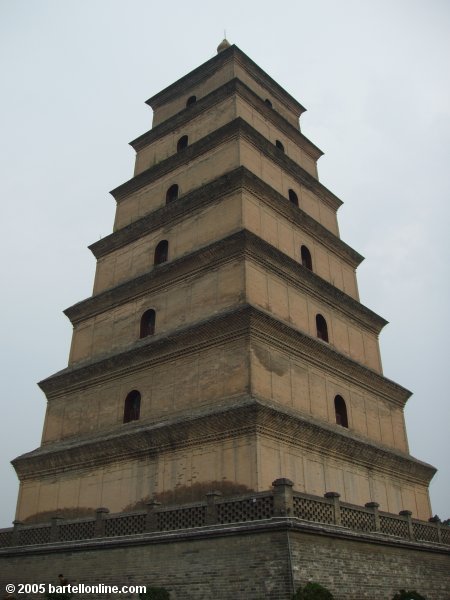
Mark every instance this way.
x=353 y=570
x=247 y=566
x=248 y=562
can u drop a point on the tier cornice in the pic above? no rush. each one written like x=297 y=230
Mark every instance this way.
x=309 y=282
x=234 y=86
x=290 y=166
x=204 y=71
x=171 y=213
x=243 y=322
x=190 y=265
x=210 y=192
x=279 y=334
x=240 y=416
x=296 y=215
x=237 y=127
x=241 y=244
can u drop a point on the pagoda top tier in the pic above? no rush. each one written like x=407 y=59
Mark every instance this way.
x=228 y=64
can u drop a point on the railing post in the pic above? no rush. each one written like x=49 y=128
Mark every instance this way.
x=100 y=521
x=54 y=528
x=437 y=522
x=334 y=496
x=376 y=514
x=15 y=534
x=211 y=507
x=407 y=514
x=151 y=518
x=283 y=497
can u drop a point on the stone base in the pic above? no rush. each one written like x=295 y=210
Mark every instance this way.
x=264 y=559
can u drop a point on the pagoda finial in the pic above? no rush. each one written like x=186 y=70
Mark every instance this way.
x=224 y=44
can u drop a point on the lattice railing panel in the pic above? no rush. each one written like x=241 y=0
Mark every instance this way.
x=35 y=535
x=445 y=535
x=182 y=518
x=5 y=538
x=250 y=509
x=127 y=525
x=233 y=510
x=427 y=533
x=393 y=526
x=313 y=510
x=82 y=530
x=357 y=519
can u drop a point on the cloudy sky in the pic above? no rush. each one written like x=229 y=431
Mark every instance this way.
x=374 y=77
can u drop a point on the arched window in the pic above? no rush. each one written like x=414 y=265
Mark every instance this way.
x=191 y=100
x=293 y=197
x=268 y=102
x=161 y=252
x=172 y=193
x=279 y=145
x=306 y=257
x=341 y=411
x=132 y=407
x=182 y=143
x=322 y=328
x=148 y=323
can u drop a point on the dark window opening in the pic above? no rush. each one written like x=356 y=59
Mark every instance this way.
x=306 y=257
x=322 y=328
x=182 y=143
x=341 y=411
x=132 y=407
x=161 y=252
x=191 y=100
x=279 y=145
x=148 y=323
x=172 y=193
x=268 y=102
x=293 y=197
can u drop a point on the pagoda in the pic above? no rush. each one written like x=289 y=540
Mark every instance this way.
x=224 y=344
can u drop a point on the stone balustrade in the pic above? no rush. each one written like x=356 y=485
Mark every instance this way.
x=281 y=501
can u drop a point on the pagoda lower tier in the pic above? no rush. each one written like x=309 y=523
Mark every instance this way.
x=237 y=399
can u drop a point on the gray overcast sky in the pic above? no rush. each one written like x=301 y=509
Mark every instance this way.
x=374 y=77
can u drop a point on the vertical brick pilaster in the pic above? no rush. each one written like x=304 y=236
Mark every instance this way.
x=334 y=497
x=54 y=528
x=100 y=521
x=407 y=514
x=211 y=507
x=151 y=518
x=437 y=522
x=15 y=534
x=376 y=514
x=283 y=497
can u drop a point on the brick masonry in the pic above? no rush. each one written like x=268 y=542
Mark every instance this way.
x=240 y=340
x=247 y=561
